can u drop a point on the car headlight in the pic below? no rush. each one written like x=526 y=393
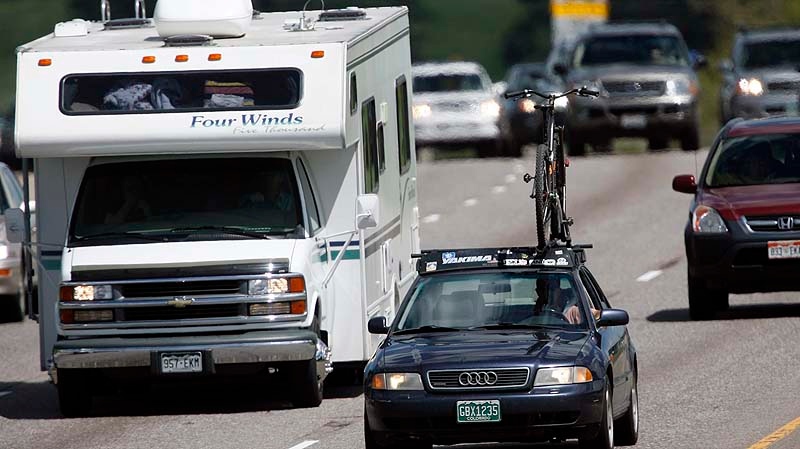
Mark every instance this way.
x=421 y=111
x=751 y=86
x=275 y=286
x=86 y=293
x=562 y=376
x=3 y=252
x=706 y=220
x=397 y=382
x=681 y=86
x=490 y=109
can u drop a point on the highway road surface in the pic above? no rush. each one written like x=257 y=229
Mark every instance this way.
x=731 y=383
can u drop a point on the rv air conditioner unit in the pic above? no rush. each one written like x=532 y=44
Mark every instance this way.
x=217 y=18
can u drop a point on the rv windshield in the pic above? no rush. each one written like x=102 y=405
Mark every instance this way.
x=207 y=199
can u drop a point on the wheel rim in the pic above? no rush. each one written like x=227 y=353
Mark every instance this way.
x=609 y=420
x=635 y=407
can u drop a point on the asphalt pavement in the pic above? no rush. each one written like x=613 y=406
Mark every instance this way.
x=730 y=383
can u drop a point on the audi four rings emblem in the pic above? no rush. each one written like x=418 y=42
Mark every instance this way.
x=477 y=378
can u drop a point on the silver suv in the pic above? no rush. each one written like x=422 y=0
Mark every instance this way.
x=762 y=78
x=647 y=83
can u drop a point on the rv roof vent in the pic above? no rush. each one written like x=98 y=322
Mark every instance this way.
x=338 y=15
x=73 y=28
x=121 y=24
x=217 y=18
x=188 y=40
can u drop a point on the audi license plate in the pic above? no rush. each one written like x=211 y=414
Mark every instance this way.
x=789 y=249
x=191 y=362
x=478 y=411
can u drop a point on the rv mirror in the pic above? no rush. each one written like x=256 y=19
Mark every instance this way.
x=15 y=225
x=367 y=211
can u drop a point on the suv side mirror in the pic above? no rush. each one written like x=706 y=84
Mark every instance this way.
x=15 y=225
x=613 y=317
x=698 y=60
x=377 y=325
x=684 y=184
x=367 y=211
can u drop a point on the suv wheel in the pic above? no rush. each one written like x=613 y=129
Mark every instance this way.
x=690 y=139
x=703 y=301
x=576 y=145
x=74 y=394
x=657 y=143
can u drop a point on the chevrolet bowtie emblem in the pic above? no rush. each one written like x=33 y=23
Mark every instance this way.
x=179 y=302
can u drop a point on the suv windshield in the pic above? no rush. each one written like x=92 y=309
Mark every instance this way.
x=508 y=299
x=639 y=49
x=771 y=54
x=448 y=83
x=753 y=160
x=195 y=196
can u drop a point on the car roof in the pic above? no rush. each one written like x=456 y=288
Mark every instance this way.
x=769 y=34
x=447 y=68
x=447 y=260
x=627 y=28
x=762 y=126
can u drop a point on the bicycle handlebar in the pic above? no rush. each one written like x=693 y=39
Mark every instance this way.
x=525 y=93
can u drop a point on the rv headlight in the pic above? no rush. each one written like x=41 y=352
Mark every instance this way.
x=562 y=376
x=422 y=111
x=86 y=293
x=490 y=109
x=276 y=286
x=397 y=382
x=751 y=86
x=706 y=220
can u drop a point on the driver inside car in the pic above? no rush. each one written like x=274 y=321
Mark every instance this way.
x=558 y=297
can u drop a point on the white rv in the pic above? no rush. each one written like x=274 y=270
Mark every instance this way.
x=240 y=195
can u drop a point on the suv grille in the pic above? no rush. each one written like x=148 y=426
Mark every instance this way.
x=792 y=86
x=784 y=223
x=189 y=288
x=190 y=312
x=635 y=87
x=500 y=378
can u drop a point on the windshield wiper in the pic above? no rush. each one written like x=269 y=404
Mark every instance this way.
x=104 y=235
x=225 y=229
x=421 y=329
x=502 y=326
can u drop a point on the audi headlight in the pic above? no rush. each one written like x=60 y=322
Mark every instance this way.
x=397 y=382
x=681 y=86
x=86 y=293
x=751 y=86
x=421 y=111
x=562 y=376
x=706 y=220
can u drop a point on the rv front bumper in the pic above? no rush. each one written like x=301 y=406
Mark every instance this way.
x=252 y=347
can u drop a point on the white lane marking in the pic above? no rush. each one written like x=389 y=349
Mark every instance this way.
x=519 y=169
x=5 y=393
x=305 y=444
x=510 y=179
x=499 y=189
x=649 y=276
x=432 y=218
x=470 y=202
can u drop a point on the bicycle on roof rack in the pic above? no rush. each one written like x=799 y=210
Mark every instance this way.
x=550 y=180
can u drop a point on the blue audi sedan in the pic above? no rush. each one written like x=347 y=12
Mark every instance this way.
x=502 y=345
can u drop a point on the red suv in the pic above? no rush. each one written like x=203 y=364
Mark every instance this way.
x=743 y=234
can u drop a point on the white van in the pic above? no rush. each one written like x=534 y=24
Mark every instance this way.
x=240 y=195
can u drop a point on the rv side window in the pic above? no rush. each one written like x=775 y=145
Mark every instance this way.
x=403 y=137
x=131 y=93
x=308 y=195
x=353 y=93
x=381 y=149
x=370 y=146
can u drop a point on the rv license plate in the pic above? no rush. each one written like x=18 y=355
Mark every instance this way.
x=478 y=411
x=633 y=121
x=789 y=249
x=182 y=363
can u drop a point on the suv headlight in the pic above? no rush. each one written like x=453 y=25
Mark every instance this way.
x=681 y=86
x=490 y=109
x=706 y=220
x=86 y=293
x=562 y=376
x=397 y=382
x=751 y=86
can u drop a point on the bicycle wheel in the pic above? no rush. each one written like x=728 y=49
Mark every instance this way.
x=541 y=194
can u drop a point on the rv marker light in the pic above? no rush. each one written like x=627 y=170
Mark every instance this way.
x=181 y=58
x=148 y=59
x=45 y=62
x=215 y=57
x=316 y=54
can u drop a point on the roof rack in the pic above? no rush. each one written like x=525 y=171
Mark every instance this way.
x=340 y=15
x=139 y=9
x=552 y=256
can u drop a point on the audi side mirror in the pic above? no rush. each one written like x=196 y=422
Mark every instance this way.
x=684 y=184
x=377 y=325
x=613 y=317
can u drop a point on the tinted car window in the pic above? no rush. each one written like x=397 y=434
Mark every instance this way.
x=753 y=160
x=634 y=49
x=770 y=54
x=448 y=83
x=482 y=299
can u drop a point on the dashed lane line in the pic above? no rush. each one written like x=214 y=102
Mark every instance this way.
x=777 y=435
x=499 y=189
x=432 y=218
x=470 y=202
x=649 y=276
x=305 y=444
x=510 y=179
